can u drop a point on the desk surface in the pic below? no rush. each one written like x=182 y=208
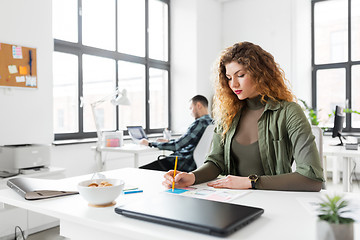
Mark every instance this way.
x=330 y=149
x=285 y=217
x=130 y=148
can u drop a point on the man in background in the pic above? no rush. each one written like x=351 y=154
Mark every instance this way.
x=184 y=146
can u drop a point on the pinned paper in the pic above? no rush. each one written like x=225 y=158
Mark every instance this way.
x=30 y=81
x=23 y=70
x=17 y=52
x=12 y=69
x=20 y=79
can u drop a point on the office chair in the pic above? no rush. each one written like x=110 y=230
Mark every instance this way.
x=318 y=133
x=202 y=149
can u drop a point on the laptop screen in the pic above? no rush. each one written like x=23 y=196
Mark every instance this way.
x=209 y=217
x=136 y=132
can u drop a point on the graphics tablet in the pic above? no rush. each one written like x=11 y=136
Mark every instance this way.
x=199 y=215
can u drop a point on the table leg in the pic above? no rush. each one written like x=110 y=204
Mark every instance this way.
x=325 y=168
x=346 y=174
x=136 y=160
x=98 y=160
x=335 y=175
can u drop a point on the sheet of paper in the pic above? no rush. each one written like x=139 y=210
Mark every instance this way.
x=30 y=81
x=209 y=193
x=17 y=52
x=23 y=70
x=12 y=69
x=20 y=79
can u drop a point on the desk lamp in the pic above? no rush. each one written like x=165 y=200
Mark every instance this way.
x=116 y=98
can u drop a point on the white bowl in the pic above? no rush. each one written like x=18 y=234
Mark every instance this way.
x=100 y=195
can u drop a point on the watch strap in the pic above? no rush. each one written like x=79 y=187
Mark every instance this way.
x=253 y=183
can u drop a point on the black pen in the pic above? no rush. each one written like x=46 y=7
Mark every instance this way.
x=30 y=62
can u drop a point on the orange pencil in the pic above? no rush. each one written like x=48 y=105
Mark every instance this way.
x=173 y=185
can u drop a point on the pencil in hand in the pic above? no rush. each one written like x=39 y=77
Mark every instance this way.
x=173 y=184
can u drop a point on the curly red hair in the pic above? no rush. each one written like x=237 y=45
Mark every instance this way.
x=268 y=77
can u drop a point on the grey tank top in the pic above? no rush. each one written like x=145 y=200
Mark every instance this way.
x=247 y=159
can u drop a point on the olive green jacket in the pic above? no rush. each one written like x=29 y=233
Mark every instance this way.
x=284 y=136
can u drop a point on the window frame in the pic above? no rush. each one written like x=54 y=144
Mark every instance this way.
x=347 y=65
x=79 y=49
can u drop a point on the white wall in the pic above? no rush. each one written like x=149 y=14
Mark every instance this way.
x=196 y=42
x=26 y=114
x=301 y=50
x=281 y=27
x=209 y=44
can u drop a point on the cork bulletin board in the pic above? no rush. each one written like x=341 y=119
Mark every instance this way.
x=17 y=66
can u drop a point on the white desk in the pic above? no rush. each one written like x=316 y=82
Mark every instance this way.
x=347 y=156
x=285 y=216
x=135 y=149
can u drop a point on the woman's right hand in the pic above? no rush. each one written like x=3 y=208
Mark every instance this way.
x=182 y=179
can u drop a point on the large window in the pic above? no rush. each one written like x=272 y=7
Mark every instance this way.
x=101 y=46
x=336 y=59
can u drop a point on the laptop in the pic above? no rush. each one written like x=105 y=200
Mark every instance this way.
x=136 y=133
x=35 y=189
x=199 y=215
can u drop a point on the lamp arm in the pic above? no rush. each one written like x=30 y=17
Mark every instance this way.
x=93 y=108
x=105 y=98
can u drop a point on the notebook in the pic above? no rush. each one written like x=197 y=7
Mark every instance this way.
x=136 y=133
x=35 y=189
x=199 y=215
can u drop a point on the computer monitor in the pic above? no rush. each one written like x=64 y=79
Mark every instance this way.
x=338 y=124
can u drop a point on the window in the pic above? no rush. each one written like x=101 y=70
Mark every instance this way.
x=336 y=59
x=100 y=46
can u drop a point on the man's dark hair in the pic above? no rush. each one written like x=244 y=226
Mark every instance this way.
x=201 y=99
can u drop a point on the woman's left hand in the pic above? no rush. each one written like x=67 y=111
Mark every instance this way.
x=231 y=181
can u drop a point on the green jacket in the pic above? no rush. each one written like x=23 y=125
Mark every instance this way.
x=284 y=136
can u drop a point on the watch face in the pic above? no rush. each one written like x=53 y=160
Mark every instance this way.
x=253 y=177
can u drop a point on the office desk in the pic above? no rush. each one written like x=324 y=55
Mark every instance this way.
x=347 y=156
x=285 y=216
x=135 y=149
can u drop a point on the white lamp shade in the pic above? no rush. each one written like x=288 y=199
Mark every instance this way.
x=121 y=99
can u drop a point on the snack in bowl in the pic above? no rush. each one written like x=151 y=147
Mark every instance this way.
x=102 y=184
x=101 y=192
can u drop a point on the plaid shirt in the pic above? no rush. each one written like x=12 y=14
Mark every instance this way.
x=184 y=146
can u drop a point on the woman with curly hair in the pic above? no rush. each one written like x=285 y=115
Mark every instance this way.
x=260 y=130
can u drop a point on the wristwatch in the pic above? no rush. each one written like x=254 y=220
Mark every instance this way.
x=253 y=178
x=150 y=144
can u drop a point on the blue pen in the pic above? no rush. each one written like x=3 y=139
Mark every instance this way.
x=133 y=191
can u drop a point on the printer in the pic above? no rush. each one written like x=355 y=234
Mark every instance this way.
x=14 y=158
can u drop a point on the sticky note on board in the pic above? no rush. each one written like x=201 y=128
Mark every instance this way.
x=20 y=79
x=17 y=52
x=23 y=70
x=12 y=69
